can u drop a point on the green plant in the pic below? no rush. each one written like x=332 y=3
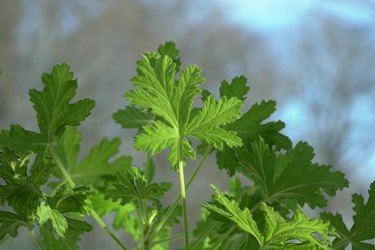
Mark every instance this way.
x=46 y=188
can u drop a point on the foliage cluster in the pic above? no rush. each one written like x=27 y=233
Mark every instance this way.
x=47 y=187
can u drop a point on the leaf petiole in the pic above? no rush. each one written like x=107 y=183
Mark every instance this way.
x=71 y=183
x=178 y=198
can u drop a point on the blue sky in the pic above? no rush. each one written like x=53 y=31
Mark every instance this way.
x=272 y=15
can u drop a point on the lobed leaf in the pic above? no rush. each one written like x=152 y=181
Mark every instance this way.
x=132 y=186
x=250 y=126
x=278 y=232
x=46 y=213
x=96 y=164
x=132 y=117
x=291 y=175
x=363 y=228
x=237 y=88
x=52 y=104
x=54 y=112
x=70 y=239
x=171 y=102
x=9 y=224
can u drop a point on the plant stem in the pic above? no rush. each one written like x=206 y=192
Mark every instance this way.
x=184 y=209
x=198 y=167
x=172 y=238
x=35 y=239
x=148 y=172
x=107 y=230
x=142 y=221
x=203 y=234
x=176 y=201
x=92 y=212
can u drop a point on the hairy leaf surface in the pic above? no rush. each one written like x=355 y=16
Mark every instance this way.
x=171 y=100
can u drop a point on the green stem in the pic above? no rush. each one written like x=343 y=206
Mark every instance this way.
x=342 y=242
x=198 y=167
x=172 y=238
x=142 y=220
x=35 y=239
x=147 y=167
x=184 y=208
x=93 y=213
x=203 y=234
x=107 y=229
x=178 y=198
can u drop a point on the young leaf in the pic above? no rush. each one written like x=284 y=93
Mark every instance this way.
x=291 y=175
x=132 y=117
x=171 y=100
x=169 y=49
x=64 y=202
x=242 y=217
x=363 y=228
x=278 y=233
x=205 y=123
x=59 y=223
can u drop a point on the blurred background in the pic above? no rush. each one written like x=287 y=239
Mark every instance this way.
x=316 y=58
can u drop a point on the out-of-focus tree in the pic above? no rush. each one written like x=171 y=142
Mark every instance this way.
x=334 y=67
x=331 y=68
x=8 y=52
x=336 y=73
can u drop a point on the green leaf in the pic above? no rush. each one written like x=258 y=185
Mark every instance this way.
x=59 y=223
x=278 y=232
x=169 y=49
x=75 y=199
x=132 y=117
x=237 y=88
x=156 y=138
x=171 y=100
x=291 y=175
x=9 y=223
x=363 y=228
x=21 y=140
x=125 y=215
x=52 y=104
x=69 y=241
x=96 y=164
x=204 y=124
x=250 y=126
x=231 y=210
x=12 y=166
x=54 y=112
x=20 y=191
x=66 y=201
x=132 y=186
